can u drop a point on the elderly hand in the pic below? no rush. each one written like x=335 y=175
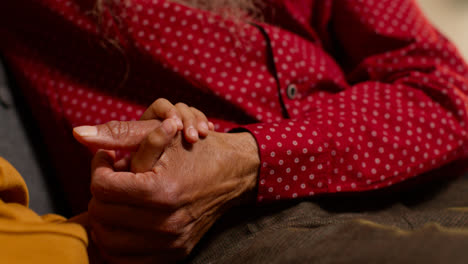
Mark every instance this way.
x=114 y=134
x=191 y=120
x=159 y=214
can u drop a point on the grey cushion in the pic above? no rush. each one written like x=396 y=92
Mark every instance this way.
x=24 y=150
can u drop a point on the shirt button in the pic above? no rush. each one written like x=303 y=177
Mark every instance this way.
x=292 y=91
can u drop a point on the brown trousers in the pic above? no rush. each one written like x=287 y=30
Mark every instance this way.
x=423 y=224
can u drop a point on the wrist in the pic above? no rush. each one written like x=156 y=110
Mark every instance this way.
x=244 y=153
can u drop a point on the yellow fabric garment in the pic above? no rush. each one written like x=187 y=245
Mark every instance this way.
x=26 y=237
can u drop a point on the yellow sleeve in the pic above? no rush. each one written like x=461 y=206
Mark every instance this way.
x=26 y=237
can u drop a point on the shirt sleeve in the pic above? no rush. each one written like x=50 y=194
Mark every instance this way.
x=403 y=114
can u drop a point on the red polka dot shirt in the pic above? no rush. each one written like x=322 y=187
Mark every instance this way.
x=341 y=95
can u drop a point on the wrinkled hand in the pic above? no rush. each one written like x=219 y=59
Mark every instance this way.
x=114 y=134
x=160 y=215
x=191 y=120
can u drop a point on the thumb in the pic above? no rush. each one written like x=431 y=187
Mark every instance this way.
x=115 y=134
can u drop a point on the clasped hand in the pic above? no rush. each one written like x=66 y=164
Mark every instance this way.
x=155 y=206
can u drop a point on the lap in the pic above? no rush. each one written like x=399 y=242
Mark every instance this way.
x=422 y=224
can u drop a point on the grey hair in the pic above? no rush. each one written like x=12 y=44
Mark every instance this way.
x=233 y=9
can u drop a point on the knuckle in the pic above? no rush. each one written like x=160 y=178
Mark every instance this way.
x=155 y=106
x=181 y=105
x=117 y=129
x=153 y=139
x=159 y=101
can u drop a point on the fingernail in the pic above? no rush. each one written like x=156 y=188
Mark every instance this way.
x=86 y=131
x=168 y=126
x=204 y=126
x=193 y=132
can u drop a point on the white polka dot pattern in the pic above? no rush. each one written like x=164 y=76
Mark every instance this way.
x=379 y=95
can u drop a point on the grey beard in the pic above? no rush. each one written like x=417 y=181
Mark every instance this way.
x=234 y=9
